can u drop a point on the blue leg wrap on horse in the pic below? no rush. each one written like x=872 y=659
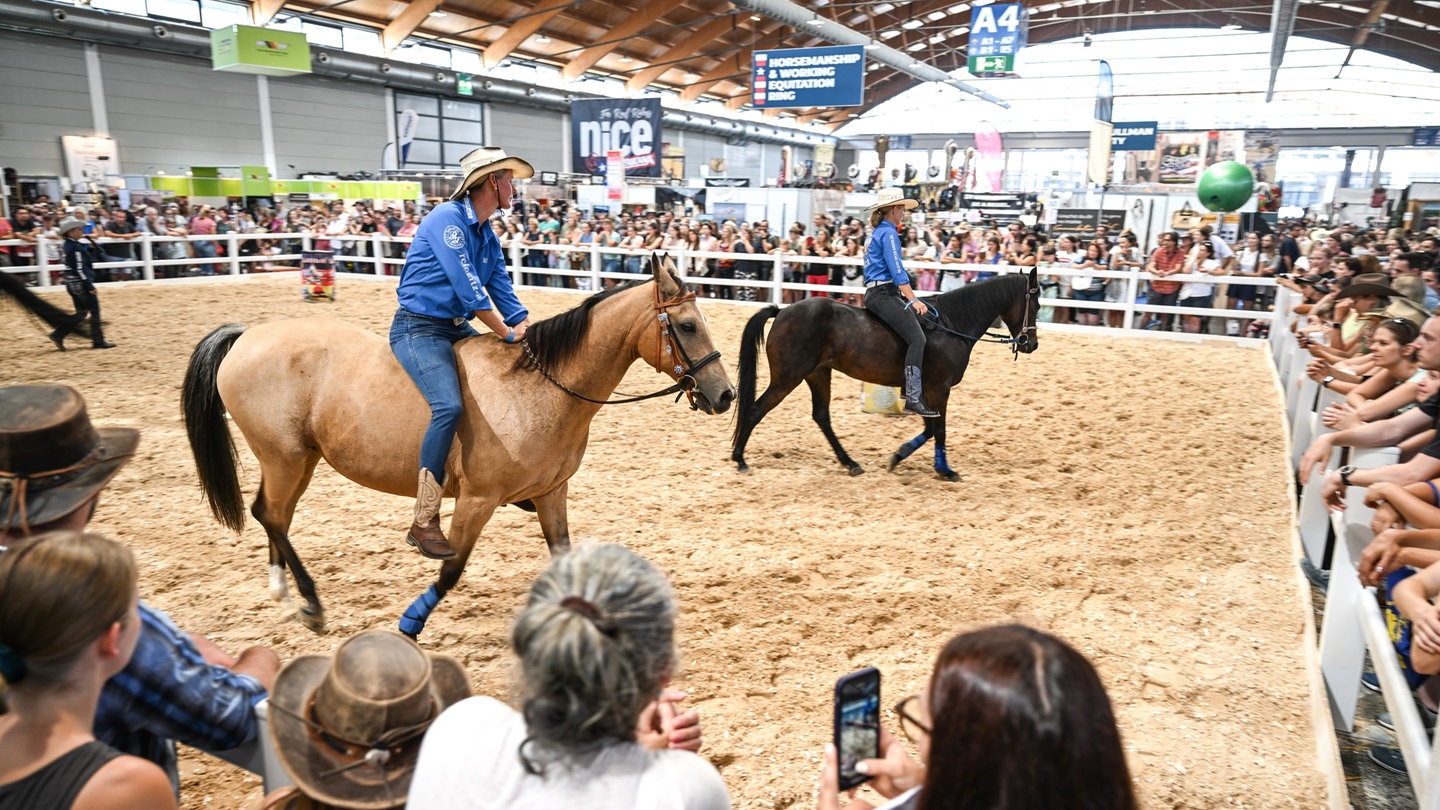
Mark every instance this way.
x=419 y=611
x=940 y=462
x=911 y=446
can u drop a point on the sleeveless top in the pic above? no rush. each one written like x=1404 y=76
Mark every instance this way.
x=56 y=785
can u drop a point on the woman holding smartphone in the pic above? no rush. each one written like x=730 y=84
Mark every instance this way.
x=1007 y=683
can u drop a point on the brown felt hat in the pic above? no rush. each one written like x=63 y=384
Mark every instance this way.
x=1370 y=284
x=52 y=460
x=348 y=727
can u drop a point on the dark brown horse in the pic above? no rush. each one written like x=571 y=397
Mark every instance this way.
x=818 y=334
x=315 y=388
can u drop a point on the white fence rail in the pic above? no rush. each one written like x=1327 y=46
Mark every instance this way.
x=591 y=267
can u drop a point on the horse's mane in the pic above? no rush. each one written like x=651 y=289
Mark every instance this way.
x=554 y=340
x=974 y=307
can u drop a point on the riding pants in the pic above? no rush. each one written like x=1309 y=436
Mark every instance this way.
x=425 y=348
x=886 y=302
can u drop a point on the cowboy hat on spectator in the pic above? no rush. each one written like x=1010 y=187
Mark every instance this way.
x=348 y=727
x=488 y=160
x=52 y=460
x=1370 y=284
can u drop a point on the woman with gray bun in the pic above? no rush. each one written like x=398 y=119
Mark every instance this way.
x=596 y=726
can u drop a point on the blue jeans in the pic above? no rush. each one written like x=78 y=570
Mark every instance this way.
x=425 y=348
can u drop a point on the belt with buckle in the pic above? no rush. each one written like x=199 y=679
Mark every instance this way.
x=870 y=284
x=460 y=321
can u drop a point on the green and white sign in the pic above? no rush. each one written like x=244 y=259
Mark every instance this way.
x=1004 y=63
x=263 y=51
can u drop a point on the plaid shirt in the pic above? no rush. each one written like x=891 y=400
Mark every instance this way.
x=167 y=693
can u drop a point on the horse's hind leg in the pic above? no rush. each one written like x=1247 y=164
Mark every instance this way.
x=471 y=515
x=746 y=422
x=910 y=447
x=281 y=485
x=819 y=382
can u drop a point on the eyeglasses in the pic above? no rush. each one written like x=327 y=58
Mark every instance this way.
x=912 y=728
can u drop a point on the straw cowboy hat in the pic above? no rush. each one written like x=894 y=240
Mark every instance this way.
x=348 y=728
x=69 y=224
x=891 y=196
x=488 y=160
x=52 y=460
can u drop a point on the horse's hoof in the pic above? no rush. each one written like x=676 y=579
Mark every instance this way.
x=856 y=469
x=948 y=475
x=741 y=466
x=895 y=459
x=313 y=619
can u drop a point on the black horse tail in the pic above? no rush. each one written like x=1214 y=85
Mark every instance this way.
x=750 y=342
x=42 y=313
x=215 y=457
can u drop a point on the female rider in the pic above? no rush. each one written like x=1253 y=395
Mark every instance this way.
x=889 y=295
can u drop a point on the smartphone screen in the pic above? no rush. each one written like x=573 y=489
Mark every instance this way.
x=857 y=723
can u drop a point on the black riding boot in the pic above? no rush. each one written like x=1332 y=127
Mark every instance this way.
x=914 y=401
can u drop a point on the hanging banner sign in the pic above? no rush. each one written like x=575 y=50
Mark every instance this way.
x=999 y=29
x=1134 y=136
x=630 y=127
x=88 y=159
x=808 y=77
x=614 y=176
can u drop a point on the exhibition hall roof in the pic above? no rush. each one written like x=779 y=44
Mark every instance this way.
x=701 y=49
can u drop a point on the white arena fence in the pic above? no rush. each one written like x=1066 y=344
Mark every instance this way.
x=1353 y=621
x=590 y=267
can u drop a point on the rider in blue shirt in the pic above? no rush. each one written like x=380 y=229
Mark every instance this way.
x=455 y=270
x=889 y=295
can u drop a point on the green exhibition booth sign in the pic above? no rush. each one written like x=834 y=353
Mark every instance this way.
x=255 y=182
x=263 y=51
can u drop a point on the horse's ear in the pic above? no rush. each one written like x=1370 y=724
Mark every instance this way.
x=659 y=268
x=1034 y=273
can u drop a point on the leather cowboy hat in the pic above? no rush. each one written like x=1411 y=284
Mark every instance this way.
x=347 y=728
x=52 y=460
x=1369 y=284
x=891 y=196
x=488 y=160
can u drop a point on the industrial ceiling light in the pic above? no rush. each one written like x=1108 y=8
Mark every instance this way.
x=1088 y=40
x=437 y=13
x=690 y=77
x=872 y=46
x=815 y=21
x=542 y=40
x=756 y=18
x=1230 y=25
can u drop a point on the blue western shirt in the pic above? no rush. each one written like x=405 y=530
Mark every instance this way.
x=456 y=266
x=168 y=692
x=882 y=255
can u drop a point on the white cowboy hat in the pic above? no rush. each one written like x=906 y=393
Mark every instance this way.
x=488 y=160
x=892 y=196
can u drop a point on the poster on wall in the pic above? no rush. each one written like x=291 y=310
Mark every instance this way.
x=1262 y=148
x=1181 y=158
x=88 y=159
x=630 y=127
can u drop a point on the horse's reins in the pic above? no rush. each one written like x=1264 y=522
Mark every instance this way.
x=1026 y=326
x=667 y=345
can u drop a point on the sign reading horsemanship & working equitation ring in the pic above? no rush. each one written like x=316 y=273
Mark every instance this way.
x=809 y=77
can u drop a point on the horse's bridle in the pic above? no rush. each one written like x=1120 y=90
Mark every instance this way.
x=1027 y=325
x=667 y=348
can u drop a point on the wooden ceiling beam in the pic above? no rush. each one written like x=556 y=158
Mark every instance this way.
x=263 y=11
x=519 y=31
x=406 y=24
x=736 y=64
x=689 y=45
x=641 y=19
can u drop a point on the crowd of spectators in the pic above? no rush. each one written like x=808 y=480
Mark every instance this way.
x=1367 y=321
x=826 y=251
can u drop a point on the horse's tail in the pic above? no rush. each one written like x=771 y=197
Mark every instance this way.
x=44 y=314
x=750 y=342
x=215 y=457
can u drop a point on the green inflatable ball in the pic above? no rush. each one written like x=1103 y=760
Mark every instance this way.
x=1226 y=186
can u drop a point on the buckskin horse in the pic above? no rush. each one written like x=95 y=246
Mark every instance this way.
x=816 y=335
x=314 y=388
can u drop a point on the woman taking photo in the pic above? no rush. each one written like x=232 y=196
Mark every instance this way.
x=69 y=619
x=1011 y=719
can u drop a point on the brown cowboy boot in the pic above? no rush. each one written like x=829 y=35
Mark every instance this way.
x=425 y=535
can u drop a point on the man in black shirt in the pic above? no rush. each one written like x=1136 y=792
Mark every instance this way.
x=119 y=227
x=1290 y=250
